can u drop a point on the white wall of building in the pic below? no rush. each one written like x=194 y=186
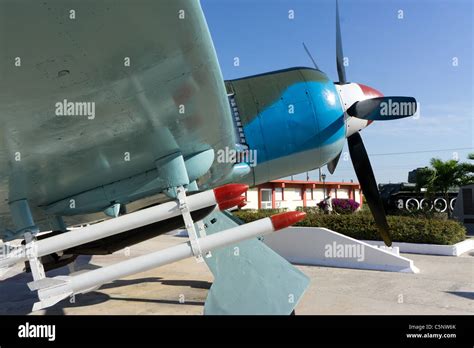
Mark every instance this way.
x=357 y=196
x=318 y=195
x=343 y=194
x=310 y=194
x=252 y=199
x=293 y=197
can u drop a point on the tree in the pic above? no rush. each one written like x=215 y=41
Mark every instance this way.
x=469 y=168
x=449 y=174
x=424 y=177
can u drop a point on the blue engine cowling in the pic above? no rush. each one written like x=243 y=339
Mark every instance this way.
x=292 y=121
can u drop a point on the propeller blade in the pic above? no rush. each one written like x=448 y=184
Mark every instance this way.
x=366 y=178
x=310 y=56
x=383 y=108
x=341 y=70
x=333 y=164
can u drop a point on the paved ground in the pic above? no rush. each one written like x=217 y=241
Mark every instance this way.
x=445 y=285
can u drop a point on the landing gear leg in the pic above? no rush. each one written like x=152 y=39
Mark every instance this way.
x=23 y=220
x=173 y=174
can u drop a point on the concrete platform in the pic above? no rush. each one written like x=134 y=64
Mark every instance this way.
x=445 y=285
x=314 y=245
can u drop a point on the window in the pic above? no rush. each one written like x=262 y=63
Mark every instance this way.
x=266 y=198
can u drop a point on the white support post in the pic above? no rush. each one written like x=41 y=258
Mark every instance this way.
x=202 y=234
x=200 y=224
x=189 y=223
x=36 y=266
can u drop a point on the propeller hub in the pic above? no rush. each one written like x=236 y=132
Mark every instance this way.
x=369 y=92
x=349 y=94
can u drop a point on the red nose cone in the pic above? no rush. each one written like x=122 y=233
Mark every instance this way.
x=369 y=92
x=238 y=201
x=286 y=219
x=229 y=191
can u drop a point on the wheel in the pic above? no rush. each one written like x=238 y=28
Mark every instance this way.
x=426 y=204
x=412 y=204
x=440 y=205
x=452 y=203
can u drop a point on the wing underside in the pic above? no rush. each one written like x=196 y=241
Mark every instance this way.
x=92 y=92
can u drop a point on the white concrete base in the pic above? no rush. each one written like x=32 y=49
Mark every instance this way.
x=430 y=249
x=4 y=273
x=323 y=247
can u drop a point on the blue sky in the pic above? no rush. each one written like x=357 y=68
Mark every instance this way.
x=410 y=56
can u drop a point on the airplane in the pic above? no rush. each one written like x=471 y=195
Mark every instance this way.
x=114 y=116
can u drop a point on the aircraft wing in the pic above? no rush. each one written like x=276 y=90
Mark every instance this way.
x=92 y=91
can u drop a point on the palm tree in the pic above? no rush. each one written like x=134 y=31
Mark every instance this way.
x=469 y=165
x=449 y=174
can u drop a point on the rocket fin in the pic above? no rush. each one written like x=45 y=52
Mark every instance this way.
x=250 y=278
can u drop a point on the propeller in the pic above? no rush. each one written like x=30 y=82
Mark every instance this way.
x=365 y=175
x=368 y=109
x=373 y=109
x=383 y=108
x=341 y=70
x=333 y=164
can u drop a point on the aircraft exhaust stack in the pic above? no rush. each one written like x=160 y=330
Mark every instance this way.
x=53 y=290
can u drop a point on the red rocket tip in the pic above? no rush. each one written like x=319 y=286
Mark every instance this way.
x=286 y=219
x=238 y=201
x=229 y=191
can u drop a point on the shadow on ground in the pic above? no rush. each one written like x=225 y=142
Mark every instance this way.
x=465 y=294
x=17 y=299
x=147 y=300
x=195 y=284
